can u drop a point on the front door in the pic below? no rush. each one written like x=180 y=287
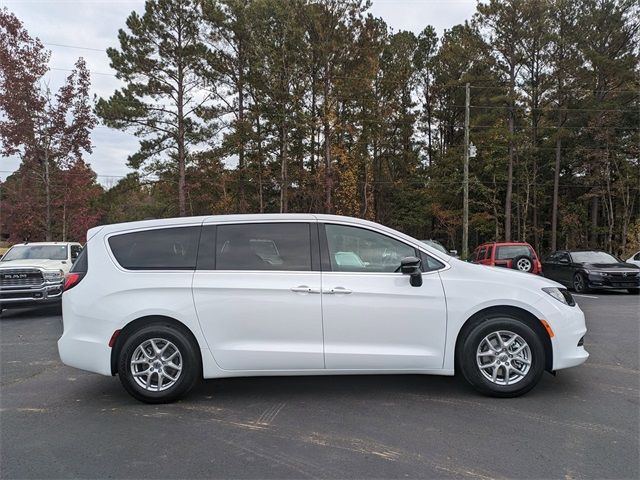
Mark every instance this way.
x=373 y=318
x=257 y=295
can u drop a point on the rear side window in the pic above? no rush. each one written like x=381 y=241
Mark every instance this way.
x=489 y=251
x=161 y=249
x=508 y=252
x=264 y=246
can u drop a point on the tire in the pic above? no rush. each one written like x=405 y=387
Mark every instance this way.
x=634 y=291
x=505 y=382
x=579 y=283
x=524 y=263
x=174 y=382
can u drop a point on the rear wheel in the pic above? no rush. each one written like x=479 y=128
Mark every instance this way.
x=158 y=364
x=502 y=357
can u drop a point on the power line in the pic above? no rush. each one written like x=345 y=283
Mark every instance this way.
x=75 y=46
x=353 y=77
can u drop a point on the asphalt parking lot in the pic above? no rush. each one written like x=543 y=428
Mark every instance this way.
x=584 y=423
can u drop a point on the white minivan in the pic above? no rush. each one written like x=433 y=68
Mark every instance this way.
x=163 y=303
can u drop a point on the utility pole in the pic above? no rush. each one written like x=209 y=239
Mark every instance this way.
x=465 y=201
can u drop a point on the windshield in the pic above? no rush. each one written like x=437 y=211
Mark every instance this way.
x=39 y=252
x=593 y=257
x=436 y=245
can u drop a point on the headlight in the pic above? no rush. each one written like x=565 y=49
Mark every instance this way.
x=601 y=274
x=53 y=275
x=560 y=294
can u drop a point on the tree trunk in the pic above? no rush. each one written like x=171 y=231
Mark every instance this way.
x=328 y=181
x=182 y=203
x=556 y=184
x=507 y=203
x=260 y=166
x=284 y=181
x=47 y=190
x=242 y=202
x=594 y=222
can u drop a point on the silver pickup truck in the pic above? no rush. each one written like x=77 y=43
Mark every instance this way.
x=33 y=273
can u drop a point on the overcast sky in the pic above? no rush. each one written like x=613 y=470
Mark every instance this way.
x=74 y=28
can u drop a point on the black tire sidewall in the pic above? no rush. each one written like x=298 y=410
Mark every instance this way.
x=190 y=360
x=517 y=259
x=470 y=368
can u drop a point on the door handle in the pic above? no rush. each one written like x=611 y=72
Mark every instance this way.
x=337 y=290
x=304 y=289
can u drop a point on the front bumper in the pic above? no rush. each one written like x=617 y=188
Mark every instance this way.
x=569 y=327
x=48 y=292
x=618 y=282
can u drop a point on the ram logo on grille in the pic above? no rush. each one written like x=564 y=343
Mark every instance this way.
x=14 y=276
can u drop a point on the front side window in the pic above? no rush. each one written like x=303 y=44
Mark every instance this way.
x=489 y=251
x=75 y=251
x=160 y=249
x=353 y=249
x=264 y=246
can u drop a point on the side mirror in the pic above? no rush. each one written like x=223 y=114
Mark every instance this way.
x=411 y=266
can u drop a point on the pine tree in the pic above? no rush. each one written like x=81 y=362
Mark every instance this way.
x=161 y=59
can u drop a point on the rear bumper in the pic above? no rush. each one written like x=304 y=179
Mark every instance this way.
x=85 y=353
x=85 y=342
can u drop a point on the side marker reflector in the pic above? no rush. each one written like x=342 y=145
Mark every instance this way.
x=112 y=341
x=547 y=327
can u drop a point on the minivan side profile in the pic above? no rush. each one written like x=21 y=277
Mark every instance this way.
x=164 y=303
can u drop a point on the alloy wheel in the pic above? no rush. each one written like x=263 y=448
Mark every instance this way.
x=156 y=364
x=503 y=357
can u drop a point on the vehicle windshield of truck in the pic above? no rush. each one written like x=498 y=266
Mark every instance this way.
x=36 y=252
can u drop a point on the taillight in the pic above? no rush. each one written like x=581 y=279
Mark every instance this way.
x=72 y=279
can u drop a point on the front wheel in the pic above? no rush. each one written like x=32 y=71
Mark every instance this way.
x=502 y=357
x=579 y=283
x=158 y=364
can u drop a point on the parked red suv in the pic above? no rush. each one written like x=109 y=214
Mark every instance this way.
x=516 y=255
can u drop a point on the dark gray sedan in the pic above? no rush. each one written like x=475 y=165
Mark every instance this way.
x=586 y=270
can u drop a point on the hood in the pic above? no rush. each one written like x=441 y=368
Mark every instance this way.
x=506 y=275
x=37 y=263
x=616 y=267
